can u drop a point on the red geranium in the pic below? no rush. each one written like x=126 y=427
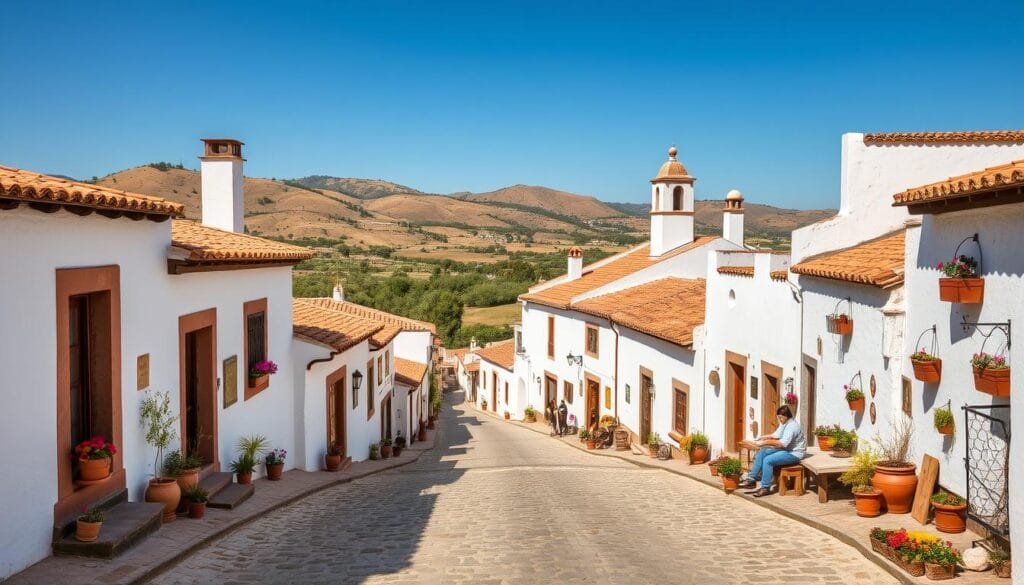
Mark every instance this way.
x=95 y=448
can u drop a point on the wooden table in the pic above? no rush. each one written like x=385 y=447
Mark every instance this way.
x=824 y=466
x=748 y=448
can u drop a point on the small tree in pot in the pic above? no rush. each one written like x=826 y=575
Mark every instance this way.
x=161 y=425
x=249 y=450
x=730 y=471
x=858 y=477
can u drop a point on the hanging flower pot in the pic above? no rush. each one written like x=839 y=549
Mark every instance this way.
x=967 y=291
x=855 y=398
x=927 y=367
x=844 y=325
x=991 y=374
x=944 y=421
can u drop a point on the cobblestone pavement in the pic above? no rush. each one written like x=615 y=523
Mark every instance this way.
x=494 y=503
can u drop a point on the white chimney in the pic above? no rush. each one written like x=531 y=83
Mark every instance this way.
x=472 y=344
x=339 y=294
x=732 y=217
x=575 y=263
x=221 y=174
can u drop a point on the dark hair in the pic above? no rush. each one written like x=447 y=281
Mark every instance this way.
x=784 y=411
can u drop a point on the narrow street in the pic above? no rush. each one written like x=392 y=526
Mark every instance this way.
x=497 y=503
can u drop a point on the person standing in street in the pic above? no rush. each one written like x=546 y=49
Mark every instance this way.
x=563 y=415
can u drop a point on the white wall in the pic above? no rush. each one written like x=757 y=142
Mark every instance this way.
x=489 y=369
x=872 y=174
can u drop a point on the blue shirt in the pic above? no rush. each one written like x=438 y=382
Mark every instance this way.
x=791 y=435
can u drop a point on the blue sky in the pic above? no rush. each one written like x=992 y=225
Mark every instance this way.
x=584 y=97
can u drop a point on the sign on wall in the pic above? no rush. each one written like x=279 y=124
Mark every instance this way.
x=627 y=393
x=753 y=387
x=142 y=372
x=230 y=381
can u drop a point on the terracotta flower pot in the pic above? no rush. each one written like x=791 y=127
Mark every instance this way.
x=87 y=531
x=396 y=450
x=947 y=430
x=897 y=485
x=950 y=519
x=714 y=469
x=698 y=455
x=165 y=490
x=422 y=434
x=93 y=469
x=530 y=418
x=332 y=462
x=652 y=450
x=196 y=509
x=507 y=416
x=187 y=478
x=826 y=442
x=844 y=325
x=385 y=452
x=869 y=504
x=856 y=405
x=244 y=478
x=962 y=290
x=1002 y=570
x=591 y=443
x=274 y=471
x=730 y=483
x=927 y=371
x=994 y=382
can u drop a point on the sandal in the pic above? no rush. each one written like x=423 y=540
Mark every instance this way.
x=762 y=493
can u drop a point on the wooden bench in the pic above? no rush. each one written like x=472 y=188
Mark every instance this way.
x=824 y=466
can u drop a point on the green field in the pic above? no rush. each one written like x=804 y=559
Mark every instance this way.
x=498 y=316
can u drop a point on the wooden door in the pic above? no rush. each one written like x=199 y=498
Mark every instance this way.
x=550 y=392
x=770 y=397
x=198 y=370
x=738 y=385
x=646 y=401
x=336 y=415
x=810 y=396
x=593 y=403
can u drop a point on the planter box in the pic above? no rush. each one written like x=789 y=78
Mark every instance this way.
x=927 y=371
x=259 y=381
x=994 y=382
x=840 y=324
x=962 y=290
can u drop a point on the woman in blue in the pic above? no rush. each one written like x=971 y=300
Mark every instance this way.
x=786 y=446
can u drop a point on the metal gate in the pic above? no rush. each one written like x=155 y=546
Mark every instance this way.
x=987 y=461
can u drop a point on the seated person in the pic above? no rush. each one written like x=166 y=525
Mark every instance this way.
x=786 y=446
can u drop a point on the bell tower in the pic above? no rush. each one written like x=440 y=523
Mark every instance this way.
x=671 y=206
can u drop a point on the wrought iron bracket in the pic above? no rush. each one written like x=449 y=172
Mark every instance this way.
x=1004 y=326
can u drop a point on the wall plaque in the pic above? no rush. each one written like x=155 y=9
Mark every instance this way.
x=230 y=381
x=627 y=393
x=607 y=396
x=142 y=372
x=753 y=387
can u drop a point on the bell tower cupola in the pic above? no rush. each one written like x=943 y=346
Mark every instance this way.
x=671 y=206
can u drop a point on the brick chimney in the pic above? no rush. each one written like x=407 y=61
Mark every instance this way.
x=223 y=204
x=575 y=263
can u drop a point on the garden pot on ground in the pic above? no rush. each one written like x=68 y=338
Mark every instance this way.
x=87 y=531
x=196 y=509
x=1002 y=570
x=937 y=572
x=591 y=443
x=93 y=469
x=165 y=490
x=950 y=519
x=825 y=443
x=422 y=434
x=385 y=452
x=962 y=290
x=274 y=471
x=897 y=485
x=244 y=478
x=430 y=423
x=731 y=483
x=994 y=382
x=396 y=451
x=856 y=405
x=507 y=416
x=187 y=478
x=869 y=503
x=927 y=371
x=332 y=462
x=698 y=455
x=530 y=418
x=652 y=450
x=714 y=469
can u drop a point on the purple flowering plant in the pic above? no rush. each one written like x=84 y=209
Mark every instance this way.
x=962 y=267
x=263 y=368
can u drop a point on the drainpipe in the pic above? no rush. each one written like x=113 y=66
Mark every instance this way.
x=798 y=295
x=615 y=376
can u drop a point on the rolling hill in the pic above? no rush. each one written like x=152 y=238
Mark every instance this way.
x=552 y=200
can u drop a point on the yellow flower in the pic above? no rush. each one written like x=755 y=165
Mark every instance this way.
x=922 y=536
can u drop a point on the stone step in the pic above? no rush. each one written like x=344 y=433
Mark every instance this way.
x=213 y=483
x=66 y=525
x=231 y=496
x=126 y=524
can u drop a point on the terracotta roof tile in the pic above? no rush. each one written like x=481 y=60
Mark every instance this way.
x=968 y=137
x=878 y=262
x=749 y=271
x=21 y=185
x=669 y=308
x=561 y=295
x=780 y=275
x=991 y=179
x=335 y=329
x=473 y=366
x=392 y=325
x=500 y=353
x=409 y=372
x=208 y=245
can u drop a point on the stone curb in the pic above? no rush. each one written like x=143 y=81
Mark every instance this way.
x=863 y=549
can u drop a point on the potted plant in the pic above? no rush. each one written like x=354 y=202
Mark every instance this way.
x=160 y=425
x=991 y=374
x=713 y=464
x=1000 y=559
x=248 y=452
x=698 y=448
x=950 y=512
x=895 y=475
x=385 y=448
x=653 y=442
x=927 y=367
x=197 y=498
x=840 y=323
x=399 y=444
x=730 y=471
x=855 y=398
x=332 y=461
x=95 y=457
x=867 y=498
x=826 y=436
x=260 y=372
x=791 y=398
x=940 y=559
x=374 y=451
x=944 y=421
x=529 y=414
x=507 y=416
x=844 y=443
x=184 y=468
x=87 y=527
x=588 y=438
x=961 y=284
x=275 y=464
x=483 y=404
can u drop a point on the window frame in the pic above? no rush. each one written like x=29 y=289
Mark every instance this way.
x=567 y=391
x=551 y=336
x=370 y=390
x=677 y=389
x=252 y=308
x=587 y=328
x=380 y=369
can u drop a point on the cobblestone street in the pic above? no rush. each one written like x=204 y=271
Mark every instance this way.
x=496 y=503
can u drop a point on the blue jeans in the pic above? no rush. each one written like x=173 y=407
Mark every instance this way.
x=767 y=459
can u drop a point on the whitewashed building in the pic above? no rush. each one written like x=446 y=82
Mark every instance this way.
x=497 y=382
